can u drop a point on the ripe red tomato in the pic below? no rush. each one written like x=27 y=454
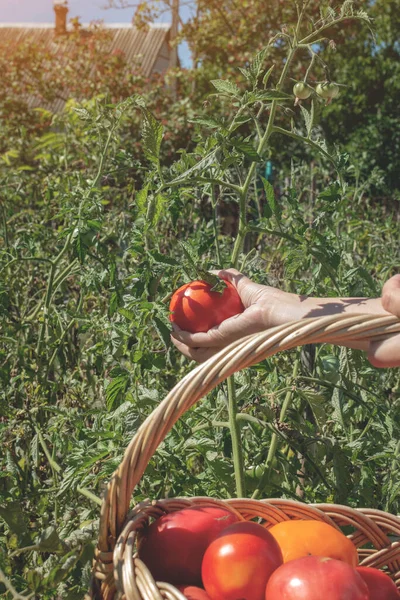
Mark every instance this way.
x=239 y=562
x=193 y=593
x=315 y=538
x=195 y=308
x=380 y=586
x=316 y=578
x=173 y=546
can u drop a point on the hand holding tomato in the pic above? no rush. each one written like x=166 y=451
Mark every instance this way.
x=262 y=307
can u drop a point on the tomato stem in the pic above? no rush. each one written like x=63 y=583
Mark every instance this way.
x=236 y=442
x=274 y=439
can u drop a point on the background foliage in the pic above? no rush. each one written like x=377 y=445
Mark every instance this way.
x=95 y=238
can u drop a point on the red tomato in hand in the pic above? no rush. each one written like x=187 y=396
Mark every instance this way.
x=239 y=562
x=316 y=578
x=380 y=586
x=196 y=308
x=173 y=546
x=193 y=593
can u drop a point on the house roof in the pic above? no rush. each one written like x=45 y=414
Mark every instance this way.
x=139 y=46
x=144 y=48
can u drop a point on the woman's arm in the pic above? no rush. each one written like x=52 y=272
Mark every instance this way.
x=267 y=307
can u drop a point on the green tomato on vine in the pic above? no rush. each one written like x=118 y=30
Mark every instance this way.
x=302 y=91
x=327 y=90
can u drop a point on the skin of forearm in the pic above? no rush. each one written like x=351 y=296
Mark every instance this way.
x=293 y=307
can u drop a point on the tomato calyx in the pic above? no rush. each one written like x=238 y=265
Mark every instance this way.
x=217 y=284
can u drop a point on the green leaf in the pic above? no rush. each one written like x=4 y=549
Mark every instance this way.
x=209 y=122
x=49 y=541
x=332 y=193
x=317 y=403
x=247 y=149
x=226 y=87
x=270 y=196
x=80 y=247
x=13 y=514
x=163 y=259
x=130 y=315
x=163 y=332
x=307 y=119
x=114 y=303
x=267 y=76
x=116 y=389
x=152 y=133
x=141 y=199
x=160 y=203
x=94 y=224
x=257 y=65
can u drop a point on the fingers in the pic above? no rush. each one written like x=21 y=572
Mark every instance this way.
x=391 y=295
x=385 y=354
x=250 y=321
x=200 y=355
x=248 y=290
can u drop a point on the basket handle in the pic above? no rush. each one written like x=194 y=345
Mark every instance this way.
x=334 y=329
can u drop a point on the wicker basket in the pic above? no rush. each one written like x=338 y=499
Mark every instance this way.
x=119 y=573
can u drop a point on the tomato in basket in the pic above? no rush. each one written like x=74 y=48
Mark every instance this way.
x=239 y=562
x=316 y=538
x=173 y=546
x=195 y=308
x=316 y=578
x=380 y=586
x=193 y=593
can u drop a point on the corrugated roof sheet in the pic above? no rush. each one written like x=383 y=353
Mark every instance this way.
x=140 y=47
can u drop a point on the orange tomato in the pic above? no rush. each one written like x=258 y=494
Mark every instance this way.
x=313 y=538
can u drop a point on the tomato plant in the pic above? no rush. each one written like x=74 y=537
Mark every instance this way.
x=316 y=538
x=194 y=307
x=173 y=546
x=380 y=586
x=314 y=578
x=239 y=562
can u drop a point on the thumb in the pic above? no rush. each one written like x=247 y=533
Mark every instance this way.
x=391 y=295
x=248 y=290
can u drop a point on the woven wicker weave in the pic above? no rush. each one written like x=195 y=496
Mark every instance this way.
x=119 y=573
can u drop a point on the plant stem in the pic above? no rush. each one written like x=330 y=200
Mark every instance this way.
x=215 y=226
x=12 y=590
x=274 y=439
x=260 y=149
x=57 y=469
x=235 y=436
x=46 y=307
x=6 y=240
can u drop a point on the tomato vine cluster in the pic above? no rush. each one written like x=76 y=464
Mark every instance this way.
x=326 y=90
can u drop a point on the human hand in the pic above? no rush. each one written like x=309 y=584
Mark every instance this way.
x=264 y=308
x=386 y=354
